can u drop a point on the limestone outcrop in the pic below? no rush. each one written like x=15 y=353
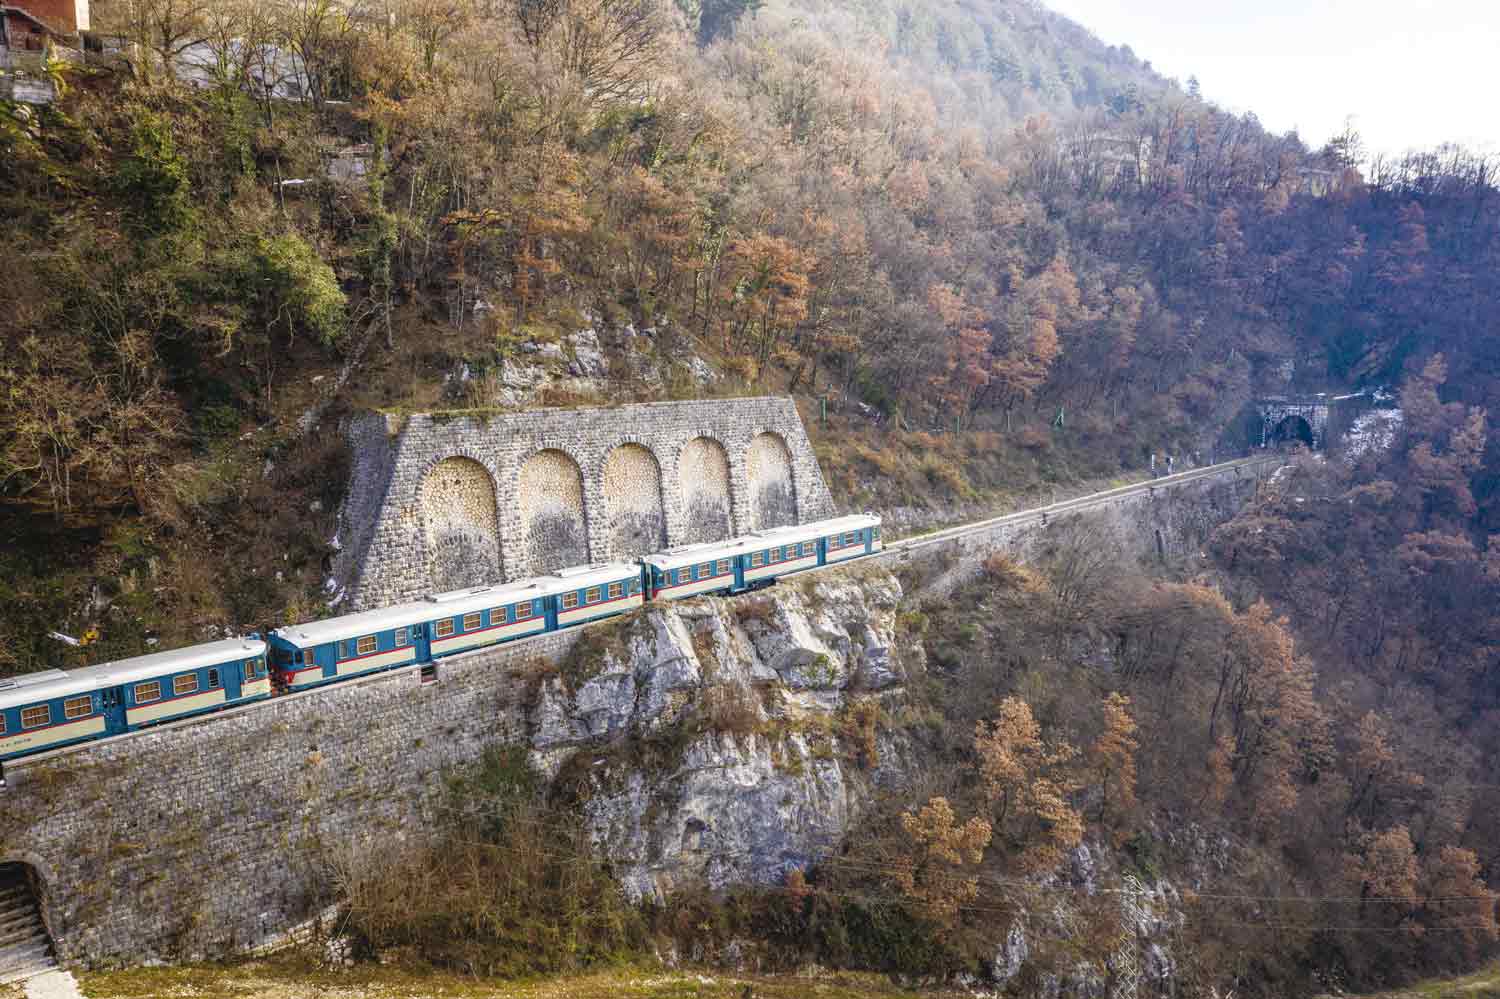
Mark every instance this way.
x=712 y=740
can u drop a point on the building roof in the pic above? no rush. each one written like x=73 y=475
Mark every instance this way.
x=30 y=688
x=7 y=10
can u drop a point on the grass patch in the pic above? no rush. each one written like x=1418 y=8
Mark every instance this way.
x=1483 y=984
x=298 y=979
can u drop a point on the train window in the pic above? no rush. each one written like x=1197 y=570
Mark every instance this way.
x=366 y=645
x=523 y=610
x=444 y=628
x=213 y=680
x=400 y=638
x=875 y=533
x=616 y=591
x=835 y=542
x=471 y=622
x=36 y=717
x=145 y=693
x=593 y=595
x=249 y=670
x=78 y=707
x=309 y=657
x=757 y=559
x=497 y=616
x=723 y=566
x=2 y=722
x=705 y=570
x=185 y=684
x=569 y=601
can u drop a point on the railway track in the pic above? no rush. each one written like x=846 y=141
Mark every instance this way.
x=891 y=549
x=1076 y=504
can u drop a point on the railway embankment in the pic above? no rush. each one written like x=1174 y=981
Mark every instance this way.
x=715 y=741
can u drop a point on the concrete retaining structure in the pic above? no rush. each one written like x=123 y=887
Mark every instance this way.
x=437 y=502
x=210 y=836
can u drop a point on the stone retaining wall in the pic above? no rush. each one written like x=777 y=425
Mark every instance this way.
x=1155 y=521
x=210 y=836
x=206 y=837
x=440 y=502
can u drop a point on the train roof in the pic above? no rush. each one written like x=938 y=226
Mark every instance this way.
x=675 y=558
x=32 y=687
x=452 y=603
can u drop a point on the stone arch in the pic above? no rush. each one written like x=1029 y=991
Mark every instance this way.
x=554 y=522
x=460 y=512
x=1292 y=429
x=703 y=483
x=636 y=521
x=773 y=493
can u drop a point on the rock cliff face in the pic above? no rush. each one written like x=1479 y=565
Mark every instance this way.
x=718 y=742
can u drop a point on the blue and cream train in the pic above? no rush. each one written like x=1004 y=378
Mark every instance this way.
x=44 y=711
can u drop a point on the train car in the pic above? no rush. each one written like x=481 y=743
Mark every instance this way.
x=693 y=570
x=468 y=619
x=760 y=558
x=849 y=537
x=42 y=711
x=319 y=652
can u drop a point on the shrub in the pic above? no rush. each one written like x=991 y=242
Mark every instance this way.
x=153 y=179
x=754 y=609
x=731 y=708
x=302 y=287
x=506 y=886
x=859 y=727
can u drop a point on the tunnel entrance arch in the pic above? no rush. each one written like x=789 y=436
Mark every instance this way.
x=1292 y=429
x=26 y=946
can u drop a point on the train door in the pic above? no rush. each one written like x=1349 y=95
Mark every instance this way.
x=822 y=551
x=549 y=608
x=232 y=675
x=112 y=700
x=421 y=641
x=739 y=573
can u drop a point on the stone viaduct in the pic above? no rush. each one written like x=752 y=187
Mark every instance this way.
x=438 y=502
x=214 y=835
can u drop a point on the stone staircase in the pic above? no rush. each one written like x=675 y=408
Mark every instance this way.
x=24 y=947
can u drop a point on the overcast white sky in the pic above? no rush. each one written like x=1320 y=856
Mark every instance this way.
x=1413 y=73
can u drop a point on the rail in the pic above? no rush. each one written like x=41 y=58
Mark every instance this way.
x=1077 y=503
x=903 y=545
